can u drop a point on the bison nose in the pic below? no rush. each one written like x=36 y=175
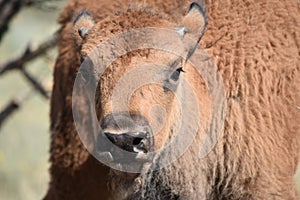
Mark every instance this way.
x=131 y=141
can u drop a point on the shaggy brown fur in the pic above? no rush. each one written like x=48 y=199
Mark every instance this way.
x=255 y=45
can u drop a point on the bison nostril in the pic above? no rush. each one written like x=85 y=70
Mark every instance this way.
x=141 y=144
x=137 y=141
x=132 y=142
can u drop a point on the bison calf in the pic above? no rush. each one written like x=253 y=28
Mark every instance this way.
x=162 y=126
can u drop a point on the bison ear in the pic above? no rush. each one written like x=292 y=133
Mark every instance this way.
x=193 y=24
x=83 y=22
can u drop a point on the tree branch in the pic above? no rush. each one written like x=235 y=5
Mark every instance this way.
x=35 y=83
x=28 y=55
x=8 y=9
x=11 y=107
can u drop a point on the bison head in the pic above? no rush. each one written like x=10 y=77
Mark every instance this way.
x=136 y=77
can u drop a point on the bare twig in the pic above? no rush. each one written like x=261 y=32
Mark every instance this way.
x=11 y=107
x=8 y=9
x=15 y=104
x=35 y=83
x=18 y=63
x=28 y=55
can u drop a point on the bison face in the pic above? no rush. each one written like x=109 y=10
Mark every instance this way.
x=140 y=95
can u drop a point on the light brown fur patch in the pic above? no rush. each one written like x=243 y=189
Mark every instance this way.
x=255 y=45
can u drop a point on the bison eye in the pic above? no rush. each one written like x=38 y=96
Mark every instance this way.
x=175 y=75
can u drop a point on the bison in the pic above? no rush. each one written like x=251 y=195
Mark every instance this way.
x=240 y=137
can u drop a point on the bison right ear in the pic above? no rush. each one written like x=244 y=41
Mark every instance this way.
x=83 y=22
x=193 y=25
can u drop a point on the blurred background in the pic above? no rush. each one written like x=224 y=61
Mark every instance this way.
x=24 y=135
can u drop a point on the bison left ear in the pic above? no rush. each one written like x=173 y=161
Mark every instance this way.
x=82 y=23
x=193 y=24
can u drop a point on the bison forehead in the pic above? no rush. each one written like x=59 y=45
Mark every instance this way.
x=113 y=25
